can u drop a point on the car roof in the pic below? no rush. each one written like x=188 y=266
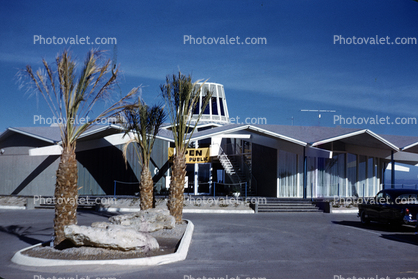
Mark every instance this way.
x=398 y=192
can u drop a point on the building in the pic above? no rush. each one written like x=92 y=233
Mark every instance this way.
x=262 y=160
x=29 y=159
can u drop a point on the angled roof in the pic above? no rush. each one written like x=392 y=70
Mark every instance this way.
x=406 y=143
x=364 y=137
x=301 y=135
x=313 y=135
x=231 y=128
x=52 y=134
x=413 y=147
x=168 y=134
x=48 y=134
x=309 y=134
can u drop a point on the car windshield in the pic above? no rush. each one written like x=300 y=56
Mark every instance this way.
x=407 y=199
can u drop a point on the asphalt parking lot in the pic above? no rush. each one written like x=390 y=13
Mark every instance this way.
x=268 y=245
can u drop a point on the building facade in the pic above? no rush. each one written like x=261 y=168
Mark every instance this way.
x=259 y=160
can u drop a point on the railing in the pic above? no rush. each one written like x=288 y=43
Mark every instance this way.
x=237 y=151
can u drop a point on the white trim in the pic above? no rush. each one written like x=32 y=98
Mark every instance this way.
x=392 y=146
x=410 y=146
x=388 y=143
x=257 y=129
x=234 y=136
x=338 y=137
x=117 y=139
x=45 y=151
x=397 y=167
x=31 y=135
x=239 y=128
x=254 y=129
x=100 y=129
x=318 y=152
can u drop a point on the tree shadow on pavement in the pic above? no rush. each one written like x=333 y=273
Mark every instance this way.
x=25 y=234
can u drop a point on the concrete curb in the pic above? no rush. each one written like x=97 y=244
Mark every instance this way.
x=179 y=255
x=14 y=207
x=187 y=210
x=221 y=211
x=345 y=211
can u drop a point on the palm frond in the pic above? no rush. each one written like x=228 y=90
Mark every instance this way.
x=144 y=122
x=70 y=98
x=182 y=96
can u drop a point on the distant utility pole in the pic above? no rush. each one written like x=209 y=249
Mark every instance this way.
x=291 y=118
x=319 y=111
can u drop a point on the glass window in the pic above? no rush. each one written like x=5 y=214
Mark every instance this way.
x=380 y=197
x=220 y=91
x=197 y=108
x=352 y=175
x=388 y=198
x=331 y=176
x=206 y=111
x=370 y=178
x=213 y=90
x=287 y=174
x=311 y=163
x=362 y=164
x=214 y=106
x=221 y=104
x=407 y=199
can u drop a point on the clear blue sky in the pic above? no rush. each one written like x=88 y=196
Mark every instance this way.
x=300 y=67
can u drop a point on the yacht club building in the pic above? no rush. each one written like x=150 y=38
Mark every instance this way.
x=263 y=160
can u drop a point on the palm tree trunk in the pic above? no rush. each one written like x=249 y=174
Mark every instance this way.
x=176 y=198
x=66 y=194
x=146 y=189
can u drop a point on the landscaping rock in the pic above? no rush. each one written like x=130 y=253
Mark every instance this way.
x=112 y=237
x=101 y=225
x=146 y=221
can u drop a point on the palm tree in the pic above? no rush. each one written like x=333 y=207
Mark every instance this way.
x=72 y=100
x=144 y=122
x=182 y=97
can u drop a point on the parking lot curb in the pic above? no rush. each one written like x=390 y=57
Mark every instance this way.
x=179 y=255
x=221 y=211
x=12 y=207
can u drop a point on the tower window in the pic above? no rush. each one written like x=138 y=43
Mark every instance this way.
x=221 y=104
x=214 y=106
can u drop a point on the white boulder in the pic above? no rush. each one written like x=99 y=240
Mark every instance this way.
x=150 y=220
x=113 y=237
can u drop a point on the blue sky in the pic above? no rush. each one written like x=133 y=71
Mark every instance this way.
x=300 y=67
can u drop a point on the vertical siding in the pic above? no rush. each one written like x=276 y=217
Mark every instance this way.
x=99 y=168
x=21 y=174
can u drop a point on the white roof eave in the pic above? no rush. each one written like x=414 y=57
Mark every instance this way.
x=260 y=130
x=410 y=146
x=32 y=135
x=379 y=138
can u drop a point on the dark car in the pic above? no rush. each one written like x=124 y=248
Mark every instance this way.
x=394 y=206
